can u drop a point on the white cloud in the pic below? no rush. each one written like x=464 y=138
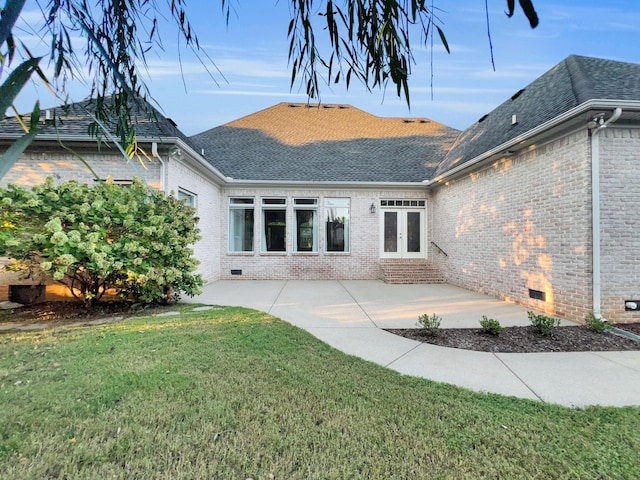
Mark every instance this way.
x=250 y=67
x=252 y=93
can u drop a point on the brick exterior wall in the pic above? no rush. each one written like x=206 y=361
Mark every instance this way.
x=362 y=262
x=180 y=176
x=38 y=164
x=620 y=221
x=521 y=223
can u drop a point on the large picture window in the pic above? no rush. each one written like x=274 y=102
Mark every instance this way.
x=274 y=225
x=305 y=215
x=336 y=216
x=241 y=224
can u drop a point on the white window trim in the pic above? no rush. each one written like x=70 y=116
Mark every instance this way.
x=241 y=206
x=263 y=234
x=347 y=228
x=314 y=208
x=186 y=194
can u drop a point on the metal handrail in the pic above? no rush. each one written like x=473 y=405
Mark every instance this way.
x=438 y=247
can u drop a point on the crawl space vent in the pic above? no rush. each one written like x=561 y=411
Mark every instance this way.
x=537 y=295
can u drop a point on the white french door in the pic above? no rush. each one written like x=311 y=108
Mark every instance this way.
x=402 y=233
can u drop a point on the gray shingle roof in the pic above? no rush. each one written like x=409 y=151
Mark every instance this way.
x=572 y=82
x=300 y=142
x=73 y=121
x=307 y=143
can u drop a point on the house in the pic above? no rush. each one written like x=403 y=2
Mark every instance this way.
x=534 y=203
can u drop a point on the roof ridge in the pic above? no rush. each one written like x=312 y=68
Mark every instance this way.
x=581 y=84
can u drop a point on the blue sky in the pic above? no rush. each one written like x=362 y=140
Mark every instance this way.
x=252 y=50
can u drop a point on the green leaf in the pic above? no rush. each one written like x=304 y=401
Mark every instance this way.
x=443 y=39
x=12 y=155
x=530 y=12
x=527 y=8
x=10 y=14
x=11 y=87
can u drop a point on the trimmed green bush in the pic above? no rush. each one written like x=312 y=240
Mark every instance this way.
x=92 y=238
x=594 y=324
x=491 y=326
x=542 y=324
x=430 y=324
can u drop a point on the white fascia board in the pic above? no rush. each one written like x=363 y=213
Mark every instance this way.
x=568 y=115
x=217 y=174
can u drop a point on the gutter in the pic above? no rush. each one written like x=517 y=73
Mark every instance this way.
x=231 y=182
x=594 y=104
x=600 y=124
x=199 y=158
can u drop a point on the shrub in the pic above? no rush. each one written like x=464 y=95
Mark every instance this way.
x=491 y=325
x=542 y=324
x=103 y=236
x=594 y=324
x=430 y=324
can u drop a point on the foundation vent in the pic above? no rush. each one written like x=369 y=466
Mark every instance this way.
x=537 y=295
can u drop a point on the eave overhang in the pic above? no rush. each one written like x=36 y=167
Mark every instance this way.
x=571 y=119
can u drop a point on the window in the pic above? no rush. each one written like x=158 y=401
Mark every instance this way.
x=336 y=216
x=402 y=203
x=188 y=197
x=305 y=216
x=115 y=181
x=241 y=224
x=274 y=225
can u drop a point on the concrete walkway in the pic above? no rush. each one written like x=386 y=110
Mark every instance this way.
x=350 y=315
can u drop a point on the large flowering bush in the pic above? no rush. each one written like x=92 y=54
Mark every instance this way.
x=96 y=237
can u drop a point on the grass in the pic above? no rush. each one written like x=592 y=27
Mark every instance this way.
x=235 y=393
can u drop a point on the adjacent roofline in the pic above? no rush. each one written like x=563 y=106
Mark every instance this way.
x=568 y=115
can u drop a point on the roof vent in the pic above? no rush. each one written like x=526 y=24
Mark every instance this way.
x=293 y=105
x=517 y=94
x=424 y=120
x=343 y=107
x=409 y=120
x=483 y=118
x=328 y=106
x=172 y=122
x=514 y=119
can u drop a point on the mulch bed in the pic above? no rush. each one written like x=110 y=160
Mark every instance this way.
x=59 y=313
x=525 y=340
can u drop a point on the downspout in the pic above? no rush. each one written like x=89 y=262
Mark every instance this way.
x=163 y=167
x=600 y=124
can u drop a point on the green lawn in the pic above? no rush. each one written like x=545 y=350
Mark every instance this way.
x=235 y=394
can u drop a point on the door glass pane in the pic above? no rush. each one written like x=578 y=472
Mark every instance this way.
x=413 y=233
x=390 y=231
